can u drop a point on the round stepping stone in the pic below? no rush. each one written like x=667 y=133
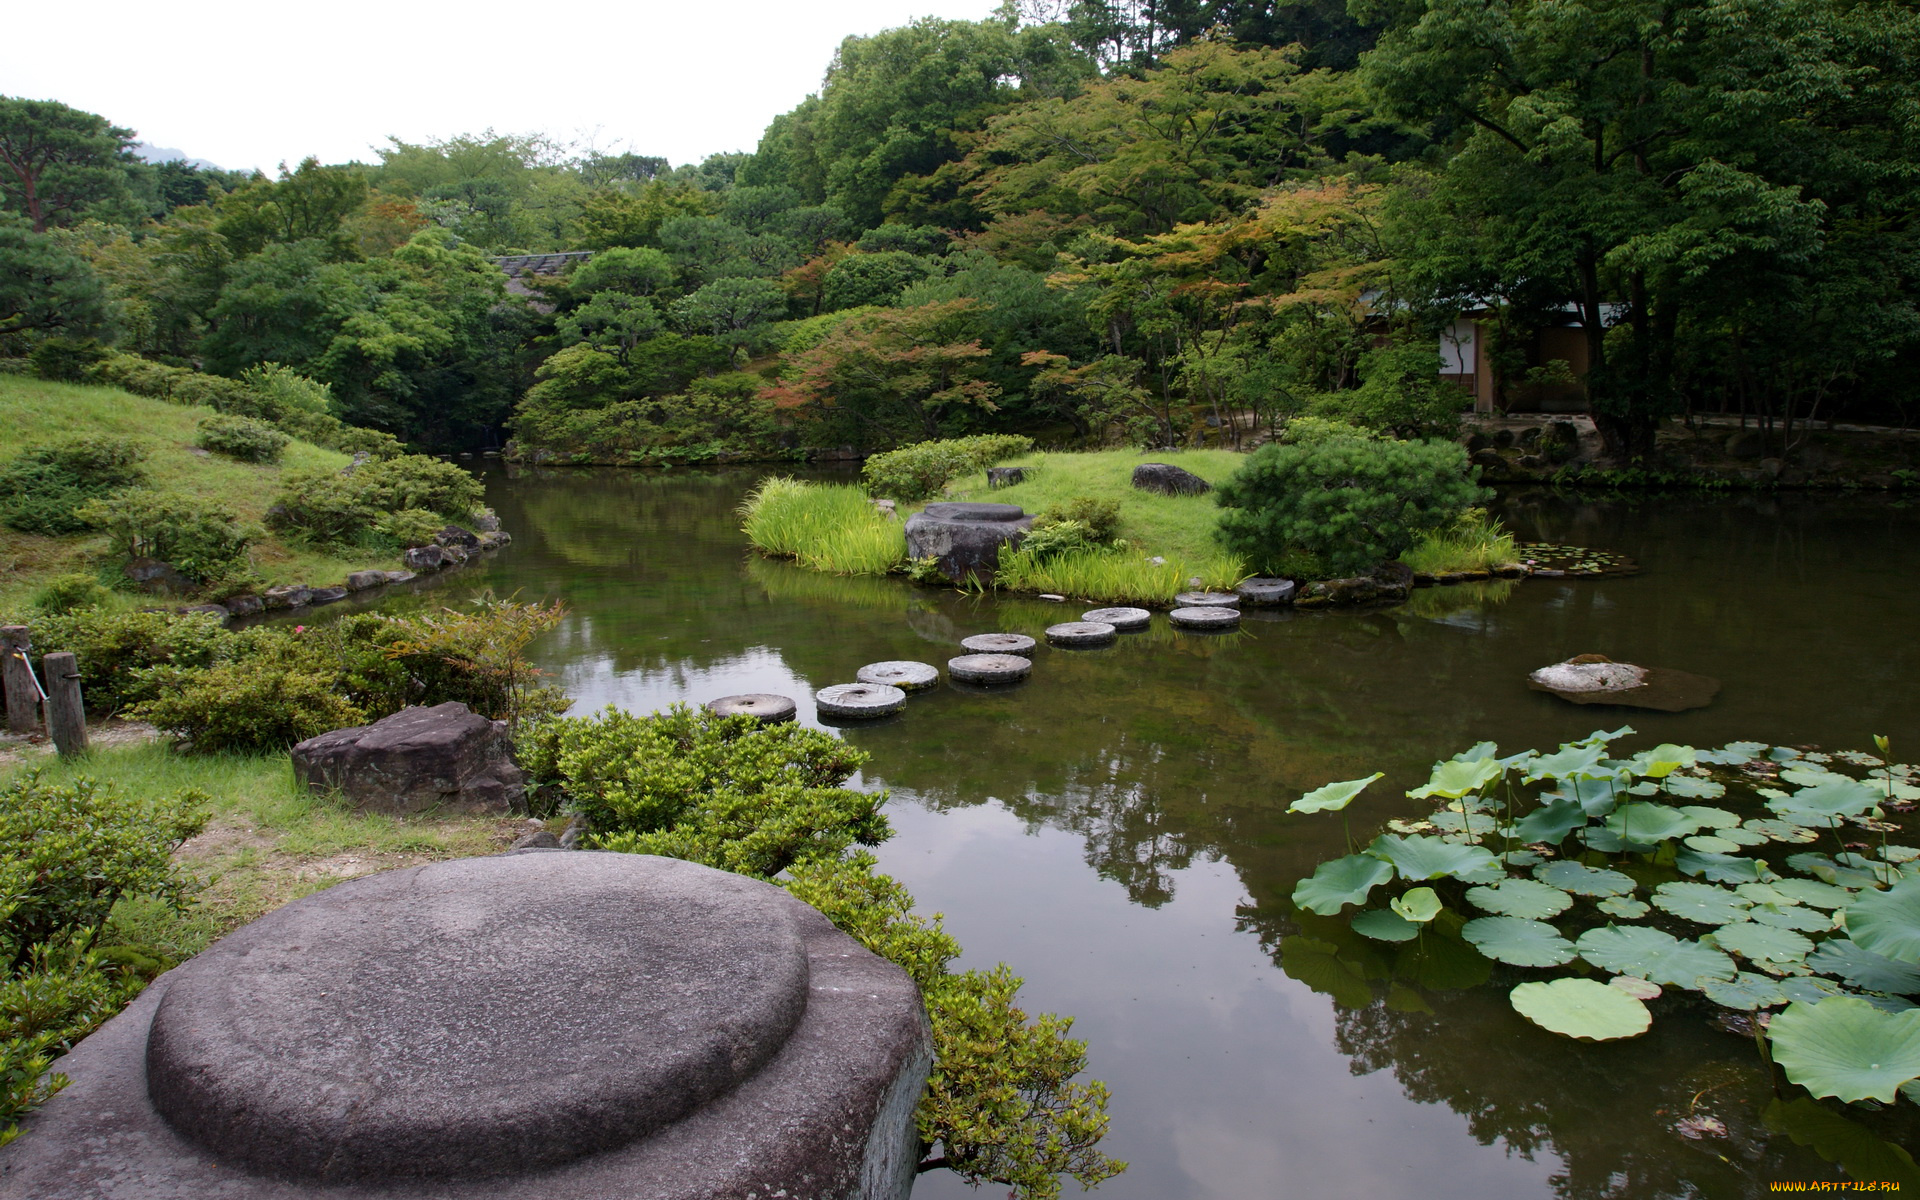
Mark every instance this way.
x=1209 y=617
x=859 y=700
x=1207 y=600
x=989 y=668
x=1082 y=633
x=771 y=709
x=901 y=673
x=1266 y=592
x=999 y=643
x=1126 y=620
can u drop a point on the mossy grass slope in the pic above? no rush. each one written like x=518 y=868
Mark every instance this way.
x=34 y=411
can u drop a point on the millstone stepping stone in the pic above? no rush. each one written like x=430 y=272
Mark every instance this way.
x=1126 y=620
x=1207 y=600
x=1082 y=633
x=1209 y=617
x=859 y=700
x=395 y=1036
x=989 y=668
x=906 y=675
x=1596 y=679
x=1266 y=592
x=999 y=643
x=771 y=709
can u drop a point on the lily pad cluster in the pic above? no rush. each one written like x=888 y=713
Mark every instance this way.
x=1574 y=560
x=1754 y=877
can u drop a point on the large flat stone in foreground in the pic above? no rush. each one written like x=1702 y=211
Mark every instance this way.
x=542 y=1024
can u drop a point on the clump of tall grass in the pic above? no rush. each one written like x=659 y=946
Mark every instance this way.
x=1110 y=576
x=1474 y=542
x=830 y=527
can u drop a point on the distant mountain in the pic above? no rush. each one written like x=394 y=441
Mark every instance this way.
x=163 y=154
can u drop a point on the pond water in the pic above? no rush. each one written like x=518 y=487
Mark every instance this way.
x=1115 y=828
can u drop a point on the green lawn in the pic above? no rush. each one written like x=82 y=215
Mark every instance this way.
x=34 y=411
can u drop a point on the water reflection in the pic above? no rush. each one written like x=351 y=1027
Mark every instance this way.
x=1115 y=828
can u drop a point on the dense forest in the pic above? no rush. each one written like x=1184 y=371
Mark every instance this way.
x=1170 y=222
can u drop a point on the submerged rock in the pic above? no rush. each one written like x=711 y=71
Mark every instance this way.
x=859 y=700
x=1597 y=679
x=905 y=674
x=1082 y=633
x=771 y=709
x=1126 y=620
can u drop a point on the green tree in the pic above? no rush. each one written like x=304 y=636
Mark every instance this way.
x=889 y=373
x=311 y=203
x=872 y=278
x=733 y=311
x=612 y=323
x=45 y=288
x=610 y=217
x=641 y=271
x=58 y=162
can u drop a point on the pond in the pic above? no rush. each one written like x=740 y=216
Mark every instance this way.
x=1115 y=828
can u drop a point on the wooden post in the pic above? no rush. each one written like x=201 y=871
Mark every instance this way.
x=23 y=698
x=66 y=714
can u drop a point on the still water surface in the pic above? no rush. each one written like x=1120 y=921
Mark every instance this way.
x=1115 y=829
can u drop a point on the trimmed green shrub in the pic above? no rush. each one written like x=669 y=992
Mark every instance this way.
x=202 y=539
x=43 y=488
x=1353 y=502
x=409 y=527
x=920 y=471
x=1100 y=516
x=326 y=508
x=1059 y=537
x=69 y=593
x=265 y=701
x=67 y=359
x=113 y=648
x=336 y=508
x=243 y=438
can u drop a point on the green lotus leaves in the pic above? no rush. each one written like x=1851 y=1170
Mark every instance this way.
x=1791 y=916
x=1746 y=990
x=1551 y=822
x=1654 y=955
x=1733 y=754
x=1689 y=787
x=1709 y=844
x=1710 y=817
x=1419 y=858
x=1318 y=965
x=1846 y=1048
x=1518 y=942
x=1596 y=797
x=1846 y=1143
x=1638 y=988
x=1828 y=871
x=1520 y=898
x=1864 y=968
x=1475 y=825
x=1650 y=823
x=1721 y=868
x=1569 y=762
x=1778 y=830
x=1582 y=1008
x=1740 y=836
x=1809 y=989
x=1661 y=761
x=1419 y=905
x=1455 y=778
x=1836 y=796
x=1624 y=907
x=1763 y=943
x=1385 y=925
x=1888 y=923
x=1341 y=882
x=1900 y=854
x=1700 y=902
x=1334 y=796
x=1582 y=880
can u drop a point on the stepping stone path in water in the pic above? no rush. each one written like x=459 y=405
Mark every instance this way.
x=771 y=709
x=989 y=668
x=999 y=643
x=1216 y=616
x=906 y=675
x=1207 y=600
x=859 y=700
x=1082 y=633
x=1126 y=620
x=1266 y=593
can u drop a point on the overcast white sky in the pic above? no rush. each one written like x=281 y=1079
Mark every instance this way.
x=250 y=84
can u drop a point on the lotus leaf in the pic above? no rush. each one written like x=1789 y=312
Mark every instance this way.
x=1341 y=882
x=1780 y=831
x=1900 y=854
x=1721 y=868
x=1518 y=942
x=1419 y=858
x=1708 y=844
x=1455 y=778
x=1809 y=989
x=1661 y=761
x=1401 y=998
x=1474 y=824
x=1838 y=1140
x=1570 y=762
x=1440 y=963
x=1582 y=1008
x=1791 y=916
x=1598 y=738
x=1385 y=925
x=1333 y=796
x=1650 y=823
x=1712 y=818
x=1522 y=858
x=1864 y=968
x=1520 y=898
x=1740 y=836
x=1700 y=902
x=1318 y=965
x=1691 y=788
x=1419 y=905
x=1846 y=1048
x=1808 y=773
x=1745 y=990
x=1763 y=893
x=1595 y=796
x=1783 y=754
x=1733 y=754
x=1624 y=907
x=1837 y=796
x=1827 y=871
x=1639 y=989
x=1582 y=880
x=1888 y=923
x=1606 y=841
x=1551 y=822
x=1763 y=943
x=1874 y=869
x=1478 y=752
x=1811 y=892
x=1654 y=955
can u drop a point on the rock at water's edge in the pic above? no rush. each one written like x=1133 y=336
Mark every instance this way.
x=965 y=539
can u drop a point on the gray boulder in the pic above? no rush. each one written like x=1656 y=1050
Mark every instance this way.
x=326 y=595
x=288 y=595
x=454 y=535
x=244 y=606
x=1005 y=476
x=1168 y=480
x=161 y=578
x=360 y=581
x=965 y=539
x=426 y=558
x=416 y=759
